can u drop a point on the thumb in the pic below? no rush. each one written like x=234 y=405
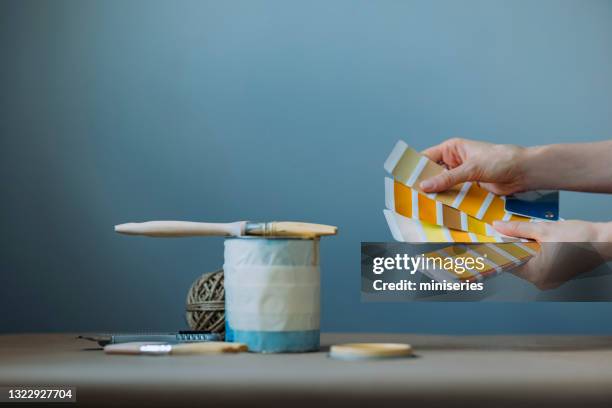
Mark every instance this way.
x=519 y=229
x=446 y=180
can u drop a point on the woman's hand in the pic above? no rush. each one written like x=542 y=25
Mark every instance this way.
x=556 y=263
x=506 y=169
x=497 y=168
x=567 y=249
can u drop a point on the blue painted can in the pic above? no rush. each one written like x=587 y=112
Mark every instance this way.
x=272 y=293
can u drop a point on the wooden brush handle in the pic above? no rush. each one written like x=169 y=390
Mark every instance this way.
x=181 y=228
x=298 y=229
x=208 y=347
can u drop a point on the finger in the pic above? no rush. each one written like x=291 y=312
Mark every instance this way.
x=531 y=230
x=434 y=153
x=446 y=180
x=524 y=271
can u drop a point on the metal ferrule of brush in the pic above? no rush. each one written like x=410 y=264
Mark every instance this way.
x=258 y=228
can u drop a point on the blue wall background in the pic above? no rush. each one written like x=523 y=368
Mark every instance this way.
x=116 y=111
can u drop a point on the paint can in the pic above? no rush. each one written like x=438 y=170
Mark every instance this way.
x=272 y=293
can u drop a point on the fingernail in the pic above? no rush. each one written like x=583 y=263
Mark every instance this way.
x=427 y=184
x=498 y=224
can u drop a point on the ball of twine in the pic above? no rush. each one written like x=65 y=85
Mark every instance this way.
x=206 y=303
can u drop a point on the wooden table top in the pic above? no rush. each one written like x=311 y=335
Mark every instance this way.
x=447 y=370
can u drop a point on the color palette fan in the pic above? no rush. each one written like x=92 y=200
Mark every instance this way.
x=463 y=214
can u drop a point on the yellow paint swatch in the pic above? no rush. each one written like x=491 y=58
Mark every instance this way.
x=495 y=257
x=439 y=260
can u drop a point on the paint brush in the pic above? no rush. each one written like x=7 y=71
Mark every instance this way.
x=236 y=229
x=160 y=348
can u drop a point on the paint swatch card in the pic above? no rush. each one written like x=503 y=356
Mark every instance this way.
x=542 y=204
x=412 y=204
x=486 y=260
